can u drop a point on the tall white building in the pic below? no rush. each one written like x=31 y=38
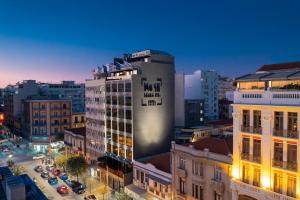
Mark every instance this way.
x=203 y=84
x=95 y=116
x=266 y=141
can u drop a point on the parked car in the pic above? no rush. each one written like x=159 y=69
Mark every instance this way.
x=38 y=168
x=90 y=197
x=77 y=187
x=63 y=176
x=38 y=156
x=45 y=174
x=62 y=189
x=52 y=180
x=55 y=172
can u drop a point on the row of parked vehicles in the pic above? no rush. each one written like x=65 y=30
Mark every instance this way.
x=52 y=174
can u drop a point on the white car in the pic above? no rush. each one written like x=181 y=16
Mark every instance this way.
x=38 y=156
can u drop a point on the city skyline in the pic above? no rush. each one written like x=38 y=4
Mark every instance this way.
x=233 y=38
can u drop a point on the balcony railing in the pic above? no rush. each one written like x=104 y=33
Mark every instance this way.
x=286 y=133
x=251 y=158
x=251 y=129
x=291 y=166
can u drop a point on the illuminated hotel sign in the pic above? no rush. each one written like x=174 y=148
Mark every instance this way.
x=152 y=95
x=140 y=54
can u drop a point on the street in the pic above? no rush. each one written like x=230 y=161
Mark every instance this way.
x=22 y=156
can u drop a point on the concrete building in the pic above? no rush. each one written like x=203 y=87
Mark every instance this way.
x=75 y=141
x=266 y=125
x=179 y=100
x=78 y=120
x=225 y=85
x=139 y=111
x=202 y=169
x=44 y=119
x=1 y=98
x=152 y=178
x=67 y=90
x=95 y=120
x=203 y=84
x=13 y=97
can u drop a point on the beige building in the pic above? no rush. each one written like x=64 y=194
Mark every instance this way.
x=152 y=178
x=74 y=140
x=266 y=134
x=78 y=120
x=45 y=118
x=202 y=170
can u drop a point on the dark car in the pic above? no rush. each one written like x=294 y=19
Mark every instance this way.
x=45 y=174
x=38 y=169
x=52 y=180
x=63 y=190
x=63 y=176
x=77 y=187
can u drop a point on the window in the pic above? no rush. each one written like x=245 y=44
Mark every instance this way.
x=292 y=121
x=245 y=175
x=257 y=121
x=197 y=168
x=291 y=186
x=181 y=163
x=128 y=114
x=218 y=174
x=246 y=146
x=278 y=182
x=256 y=150
x=256 y=176
x=278 y=151
x=181 y=185
x=292 y=154
x=246 y=118
x=278 y=123
x=197 y=191
x=142 y=177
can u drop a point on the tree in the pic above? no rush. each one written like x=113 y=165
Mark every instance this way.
x=76 y=165
x=61 y=161
x=18 y=170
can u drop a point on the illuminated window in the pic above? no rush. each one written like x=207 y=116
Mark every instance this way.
x=278 y=181
x=256 y=176
x=292 y=121
x=291 y=186
x=245 y=174
x=246 y=118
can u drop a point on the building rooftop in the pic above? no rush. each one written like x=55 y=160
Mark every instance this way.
x=77 y=131
x=280 y=66
x=219 y=145
x=160 y=161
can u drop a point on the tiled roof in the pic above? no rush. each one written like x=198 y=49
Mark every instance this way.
x=281 y=66
x=160 y=161
x=215 y=145
x=77 y=131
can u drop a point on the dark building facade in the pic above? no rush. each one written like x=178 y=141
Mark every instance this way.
x=194 y=112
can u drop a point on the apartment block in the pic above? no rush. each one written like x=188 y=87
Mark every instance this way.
x=266 y=134
x=78 y=120
x=13 y=97
x=202 y=170
x=44 y=119
x=152 y=178
x=203 y=84
x=75 y=141
x=139 y=111
x=66 y=90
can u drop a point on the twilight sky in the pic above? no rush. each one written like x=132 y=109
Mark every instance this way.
x=52 y=40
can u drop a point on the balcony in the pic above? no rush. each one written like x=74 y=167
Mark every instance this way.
x=267 y=97
x=180 y=171
x=257 y=192
x=251 y=158
x=286 y=133
x=285 y=165
x=251 y=129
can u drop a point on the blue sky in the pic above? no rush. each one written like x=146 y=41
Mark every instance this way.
x=55 y=40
